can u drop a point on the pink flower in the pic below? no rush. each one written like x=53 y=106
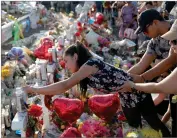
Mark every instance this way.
x=94 y=128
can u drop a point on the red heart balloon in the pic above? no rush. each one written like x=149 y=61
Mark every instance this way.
x=104 y=106
x=71 y=132
x=68 y=110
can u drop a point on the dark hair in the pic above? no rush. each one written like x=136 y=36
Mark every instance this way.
x=83 y=56
x=149 y=2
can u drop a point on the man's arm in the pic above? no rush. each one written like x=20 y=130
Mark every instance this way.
x=161 y=67
x=143 y=64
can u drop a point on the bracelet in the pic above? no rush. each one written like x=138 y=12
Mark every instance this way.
x=143 y=78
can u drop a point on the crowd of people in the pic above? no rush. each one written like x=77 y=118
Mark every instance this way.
x=153 y=21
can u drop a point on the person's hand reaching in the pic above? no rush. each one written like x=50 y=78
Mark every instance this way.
x=137 y=78
x=28 y=89
x=127 y=87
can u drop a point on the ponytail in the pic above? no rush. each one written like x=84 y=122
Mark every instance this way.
x=83 y=56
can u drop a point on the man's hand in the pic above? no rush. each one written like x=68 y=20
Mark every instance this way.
x=137 y=78
x=126 y=87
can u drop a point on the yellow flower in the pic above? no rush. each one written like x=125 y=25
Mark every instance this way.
x=5 y=73
x=174 y=99
x=5 y=67
x=83 y=98
x=132 y=135
x=148 y=133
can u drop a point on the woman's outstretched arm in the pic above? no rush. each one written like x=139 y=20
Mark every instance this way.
x=167 y=85
x=63 y=86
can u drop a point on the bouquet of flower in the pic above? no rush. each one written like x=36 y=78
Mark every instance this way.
x=94 y=128
x=103 y=41
x=35 y=121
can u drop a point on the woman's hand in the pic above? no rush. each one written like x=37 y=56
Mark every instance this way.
x=127 y=87
x=28 y=89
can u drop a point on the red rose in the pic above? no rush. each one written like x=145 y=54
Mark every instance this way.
x=35 y=110
x=62 y=63
x=77 y=34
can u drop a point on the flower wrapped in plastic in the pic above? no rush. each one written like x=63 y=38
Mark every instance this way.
x=34 y=119
x=16 y=53
x=78 y=9
x=103 y=41
x=68 y=110
x=104 y=106
x=94 y=128
x=71 y=132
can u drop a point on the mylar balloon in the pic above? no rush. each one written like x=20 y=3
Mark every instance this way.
x=68 y=110
x=104 y=106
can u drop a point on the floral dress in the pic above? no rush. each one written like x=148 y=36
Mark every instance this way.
x=109 y=79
